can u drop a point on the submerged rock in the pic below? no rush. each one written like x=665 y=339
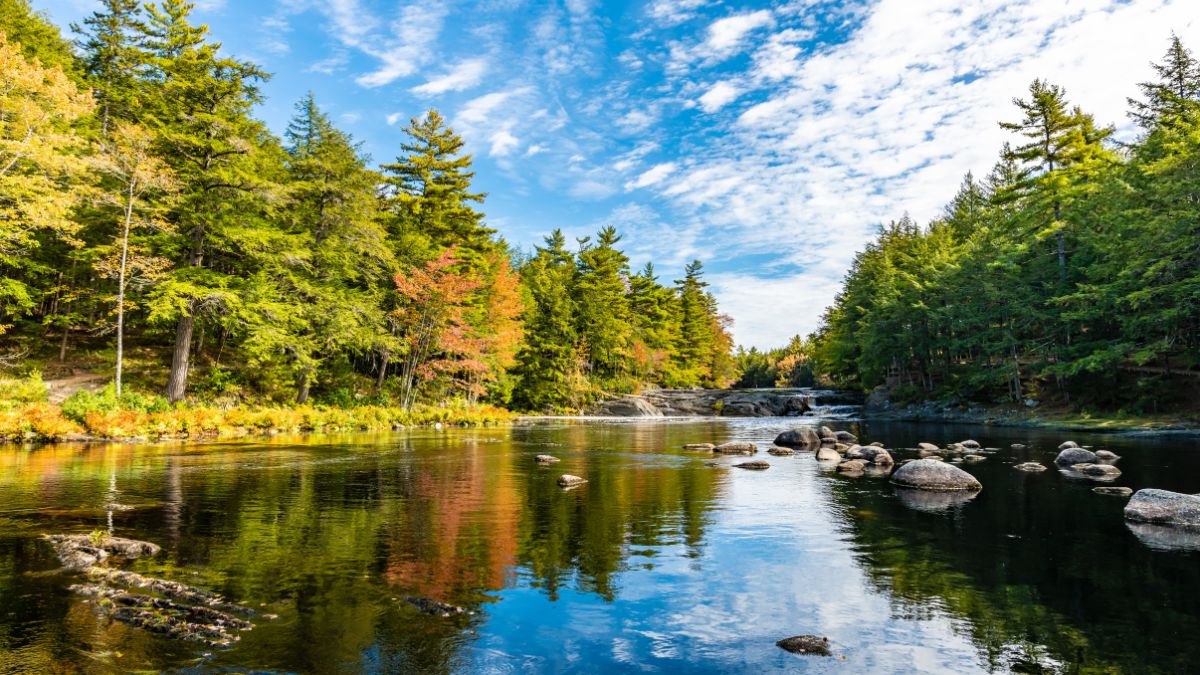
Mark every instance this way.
x=754 y=464
x=799 y=437
x=845 y=437
x=1030 y=466
x=1075 y=455
x=1068 y=444
x=545 y=459
x=929 y=447
x=699 y=447
x=736 y=448
x=1107 y=455
x=970 y=445
x=828 y=455
x=931 y=501
x=780 y=452
x=1098 y=470
x=806 y=644
x=852 y=466
x=1163 y=507
x=927 y=474
x=973 y=458
x=1113 y=491
x=567 y=480
x=435 y=608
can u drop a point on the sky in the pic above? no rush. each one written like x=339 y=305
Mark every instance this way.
x=768 y=139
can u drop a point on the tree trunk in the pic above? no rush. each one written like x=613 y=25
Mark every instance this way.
x=383 y=366
x=177 y=384
x=302 y=392
x=121 y=287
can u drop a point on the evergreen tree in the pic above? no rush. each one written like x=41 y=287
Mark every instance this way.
x=602 y=319
x=36 y=37
x=1175 y=96
x=545 y=365
x=114 y=60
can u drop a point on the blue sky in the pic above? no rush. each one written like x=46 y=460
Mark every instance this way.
x=768 y=139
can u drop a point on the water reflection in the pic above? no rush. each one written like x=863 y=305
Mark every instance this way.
x=659 y=562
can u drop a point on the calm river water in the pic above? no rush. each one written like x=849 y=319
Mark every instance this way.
x=661 y=563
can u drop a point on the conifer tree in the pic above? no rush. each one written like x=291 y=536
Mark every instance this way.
x=545 y=362
x=114 y=60
x=603 y=322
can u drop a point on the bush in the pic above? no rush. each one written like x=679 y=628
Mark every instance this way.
x=83 y=403
x=21 y=391
x=36 y=420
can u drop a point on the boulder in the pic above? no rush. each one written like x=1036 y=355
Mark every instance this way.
x=1162 y=507
x=736 y=448
x=806 y=644
x=846 y=437
x=545 y=459
x=973 y=458
x=828 y=455
x=927 y=446
x=841 y=447
x=699 y=447
x=826 y=432
x=852 y=466
x=780 y=452
x=1113 y=491
x=755 y=464
x=1068 y=444
x=625 y=406
x=1075 y=455
x=81 y=551
x=926 y=474
x=970 y=445
x=876 y=444
x=1098 y=470
x=1107 y=455
x=567 y=480
x=799 y=437
x=856 y=452
x=926 y=452
x=1030 y=466
x=883 y=458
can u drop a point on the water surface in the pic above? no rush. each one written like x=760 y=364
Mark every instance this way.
x=661 y=563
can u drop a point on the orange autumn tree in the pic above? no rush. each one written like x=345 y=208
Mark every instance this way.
x=456 y=326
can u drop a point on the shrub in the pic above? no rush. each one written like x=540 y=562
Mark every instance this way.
x=20 y=391
x=82 y=403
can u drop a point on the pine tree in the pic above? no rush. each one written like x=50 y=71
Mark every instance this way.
x=1175 y=96
x=696 y=338
x=545 y=363
x=114 y=60
x=603 y=322
x=36 y=37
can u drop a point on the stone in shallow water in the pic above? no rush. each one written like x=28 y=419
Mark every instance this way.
x=756 y=464
x=79 y=551
x=736 y=448
x=699 y=447
x=828 y=455
x=1113 y=491
x=1163 y=507
x=1030 y=466
x=852 y=466
x=927 y=446
x=435 y=608
x=973 y=458
x=970 y=445
x=806 y=644
x=1107 y=455
x=1017 y=446
x=1068 y=444
x=1098 y=470
x=567 y=480
x=780 y=452
x=799 y=437
x=1070 y=456
x=928 y=474
x=545 y=459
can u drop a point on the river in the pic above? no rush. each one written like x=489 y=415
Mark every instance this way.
x=660 y=563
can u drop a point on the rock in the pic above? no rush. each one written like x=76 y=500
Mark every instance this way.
x=841 y=447
x=883 y=458
x=1113 y=491
x=799 y=437
x=970 y=445
x=876 y=444
x=1100 y=470
x=933 y=501
x=846 y=437
x=855 y=452
x=828 y=455
x=926 y=474
x=936 y=458
x=1162 y=507
x=780 y=452
x=806 y=644
x=852 y=466
x=1030 y=466
x=80 y=551
x=926 y=452
x=567 y=480
x=1107 y=455
x=973 y=458
x=625 y=406
x=699 y=447
x=736 y=448
x=1075 y=455
x=755 y=464
x=545 y=459
x=1017 y=446
x=826 y=432
x=1068 y=444
x=928 y=446
x=955 y=448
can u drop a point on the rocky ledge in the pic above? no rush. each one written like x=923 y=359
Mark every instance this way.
x=722 y=403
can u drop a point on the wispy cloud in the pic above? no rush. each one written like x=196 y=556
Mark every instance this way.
x=465 y=75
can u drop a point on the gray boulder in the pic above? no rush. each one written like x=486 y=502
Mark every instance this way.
x=973 y=458
x=1017 y=446
x=852 y=466
x=755 y=464
x=567 y=480
x=828 y=455
x=1113 y=491
x=806 y=644
x=625 y=406
x=883 y=458
x=927 y=474
x=1163 y=507
x=736 y=448
x=1107 y=455
x=1068 y=444
x=1075 y=455
x=1098 y=470
x=970 y=445
x=846 y=437
x=780 y=452
x=927 y=446
x=856 y=452
x=799 y=437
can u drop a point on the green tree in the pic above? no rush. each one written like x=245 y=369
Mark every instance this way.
x=545 y=368
x=602 y=319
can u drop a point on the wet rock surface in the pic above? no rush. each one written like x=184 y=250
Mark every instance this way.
x=736 y=448
x=806 y=644
x=780 y=452
x=800 y=437
x=722 y=403
x=1030 y=466
x=1162 y=507
x=545 y=459
x=80 y=551
x=1113 y=491
x=1071 y=456
x=754 y=465
x=567 y=480
x=927 y=474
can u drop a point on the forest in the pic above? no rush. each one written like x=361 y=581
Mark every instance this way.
x=154 y=231
x=1069 y=274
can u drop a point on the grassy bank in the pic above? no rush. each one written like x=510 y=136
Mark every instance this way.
x=26 y=414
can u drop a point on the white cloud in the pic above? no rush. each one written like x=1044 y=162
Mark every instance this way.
x=674 y=11
x=393 y=118
x=465 y=75
x=725 y=35
x=652 y=176
x=406 y=45
x=503 y=143
x=535 y=149
x=720 y=95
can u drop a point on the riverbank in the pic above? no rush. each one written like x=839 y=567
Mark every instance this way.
x=1064 y=419
x=44 y=421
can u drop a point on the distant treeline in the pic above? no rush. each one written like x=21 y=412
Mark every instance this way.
x=1071 y=272
x=152 y=228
